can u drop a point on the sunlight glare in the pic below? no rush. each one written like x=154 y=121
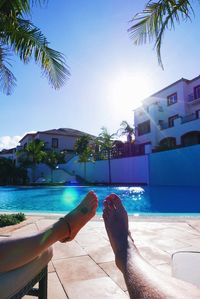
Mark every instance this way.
x=127 y=90
x=70 y=197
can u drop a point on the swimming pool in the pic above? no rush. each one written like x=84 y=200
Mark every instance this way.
x=137 y=200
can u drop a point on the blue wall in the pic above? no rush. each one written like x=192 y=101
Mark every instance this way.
x=175 y=167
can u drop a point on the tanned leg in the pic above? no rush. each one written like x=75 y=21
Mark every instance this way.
x=142 y=279
x=15 y=252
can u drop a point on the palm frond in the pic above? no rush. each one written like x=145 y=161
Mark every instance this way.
x=150 y=25
x=7 y=79
x=19 y=7
x=27 y=41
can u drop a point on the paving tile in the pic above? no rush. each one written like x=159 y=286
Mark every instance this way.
x=194 y=242
x=165 y=268
x=44 y=223
x=114 y=273
x=51 y=267
x=77 y=268
x=66 y=250
x=99 y=288
x=25 y=230
x=92 y=238
x=100 y=253
x=154 y=255
x=55 y=289
x=168 y=245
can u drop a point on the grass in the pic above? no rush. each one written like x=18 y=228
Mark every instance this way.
x=11 y=219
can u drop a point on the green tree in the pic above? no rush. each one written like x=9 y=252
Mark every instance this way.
x=31 y=155
x=127 y=130
x=20 y=36
x=158 y=16
x=84 y=149
x=11 y=174
x=52 y=159
x=105 y=142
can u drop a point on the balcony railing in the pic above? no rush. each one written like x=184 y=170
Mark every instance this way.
x=193 y=99
x=183 y=120
x=190 y=117
x=125 y=150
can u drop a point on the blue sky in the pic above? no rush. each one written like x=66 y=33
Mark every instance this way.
x=109 y=75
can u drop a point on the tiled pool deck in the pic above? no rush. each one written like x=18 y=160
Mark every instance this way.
x=85 y=268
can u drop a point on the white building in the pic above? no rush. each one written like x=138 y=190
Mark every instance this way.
x=170 y=116
x=56 y=139
x=8 y=154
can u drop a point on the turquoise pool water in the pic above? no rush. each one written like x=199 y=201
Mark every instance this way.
x=137 y=200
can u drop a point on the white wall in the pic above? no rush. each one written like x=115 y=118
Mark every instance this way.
x=64 y=142
x=125 y=170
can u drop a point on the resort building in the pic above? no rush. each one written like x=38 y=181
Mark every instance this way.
x=171 y=116
x=8 y=154
x=55 y=139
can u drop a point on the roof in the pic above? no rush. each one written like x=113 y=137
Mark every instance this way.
x=61 y=131
x=180 y=80
x=28 y=134
x=7 y=151
x=65 y=132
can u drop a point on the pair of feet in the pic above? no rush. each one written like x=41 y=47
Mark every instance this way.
x=114 y=215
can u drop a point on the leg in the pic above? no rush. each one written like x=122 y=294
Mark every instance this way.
x=142 y=279
x=15 y=252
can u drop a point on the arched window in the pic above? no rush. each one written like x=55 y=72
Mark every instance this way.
x=190 y=138
x=169 y=142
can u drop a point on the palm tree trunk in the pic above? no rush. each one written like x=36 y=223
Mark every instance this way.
x=33 y=173
x=109 y=167
x=85 y=171
x=51 y=175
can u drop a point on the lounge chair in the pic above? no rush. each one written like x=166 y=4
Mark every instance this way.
x=20 y=282
x=186 y=266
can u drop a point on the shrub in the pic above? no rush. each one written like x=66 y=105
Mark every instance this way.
x=11 y=219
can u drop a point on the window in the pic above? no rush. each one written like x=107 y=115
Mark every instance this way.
x=197 y=92
x=171 y=120
x=144 y=128
x=54 y=142
x=172 y=99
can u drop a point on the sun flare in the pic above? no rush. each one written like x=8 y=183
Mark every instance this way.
x=127 y=90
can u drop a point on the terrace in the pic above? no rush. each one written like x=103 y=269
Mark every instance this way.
x=86 y=265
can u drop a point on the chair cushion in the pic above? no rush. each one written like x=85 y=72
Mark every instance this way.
x=13 y=281
x=186 y=266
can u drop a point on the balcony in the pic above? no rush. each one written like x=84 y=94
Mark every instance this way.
x=182 y=120
x=192 y=99
x=190 y=117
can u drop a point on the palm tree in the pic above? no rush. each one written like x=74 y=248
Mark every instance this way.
x=157 y=16
x=52 y=159
x=31 y=155
x=20 y=36
x=84 y=149
x=105 y=141
x=126 y=129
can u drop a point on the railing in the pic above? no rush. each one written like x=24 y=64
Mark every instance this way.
x=190 y=117
x=126 y=150
x=193 y=98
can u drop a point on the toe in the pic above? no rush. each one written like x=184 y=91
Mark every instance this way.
x=116 y=200
x=110 y=202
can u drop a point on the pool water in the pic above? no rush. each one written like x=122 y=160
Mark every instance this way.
x=137 y=200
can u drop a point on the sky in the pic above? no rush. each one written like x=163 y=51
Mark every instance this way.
x=109 y=75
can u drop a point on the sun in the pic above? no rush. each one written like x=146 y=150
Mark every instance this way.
x=129 y=89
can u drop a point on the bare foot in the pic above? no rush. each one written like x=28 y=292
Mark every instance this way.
x=116 y=223
x=81 y=214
